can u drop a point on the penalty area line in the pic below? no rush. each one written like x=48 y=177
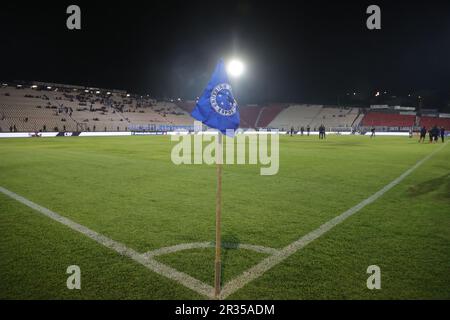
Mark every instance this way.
x=268 y=263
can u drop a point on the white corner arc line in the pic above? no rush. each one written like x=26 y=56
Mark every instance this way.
x=268 y=263
x=158 y=267
x=204 y=245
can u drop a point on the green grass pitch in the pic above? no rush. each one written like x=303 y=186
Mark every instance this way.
x=127 y=188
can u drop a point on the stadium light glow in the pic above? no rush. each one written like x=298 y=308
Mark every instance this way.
x=235 y=68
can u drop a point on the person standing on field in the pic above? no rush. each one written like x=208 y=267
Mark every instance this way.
x=423 y=134
x=430 y=135
x=322 y=132
x=435 y=133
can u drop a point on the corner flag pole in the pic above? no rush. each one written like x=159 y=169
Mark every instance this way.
x=218 y=267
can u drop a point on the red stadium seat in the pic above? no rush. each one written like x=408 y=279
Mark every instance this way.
x=379 y=119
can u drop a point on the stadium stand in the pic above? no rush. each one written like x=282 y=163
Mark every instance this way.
x=380 y=119
x=429 y=122
x=46 y=108
x=357 y=122
x=335 y=117
x=295 y=116
x=268 y=114
x=249 y=115
x=187 y=106
x=338 y=118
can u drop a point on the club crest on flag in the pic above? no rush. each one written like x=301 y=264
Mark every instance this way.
x=217 y=108
x=222 y=100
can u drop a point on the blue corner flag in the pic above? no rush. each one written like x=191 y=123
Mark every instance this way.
x=217 y=107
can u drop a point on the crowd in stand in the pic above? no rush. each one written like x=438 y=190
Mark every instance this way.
x=65 y=101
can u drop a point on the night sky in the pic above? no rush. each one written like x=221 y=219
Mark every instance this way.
x=294 y=51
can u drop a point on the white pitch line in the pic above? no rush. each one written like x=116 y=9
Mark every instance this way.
x=197 y=285
x=268 y=263
x=158 y=267
x=204 y=245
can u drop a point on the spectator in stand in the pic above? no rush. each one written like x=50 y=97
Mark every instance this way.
x=442 y=131
x=14 y=128
x=10 y=128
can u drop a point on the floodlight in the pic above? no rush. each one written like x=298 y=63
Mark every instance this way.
x=235 y=68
